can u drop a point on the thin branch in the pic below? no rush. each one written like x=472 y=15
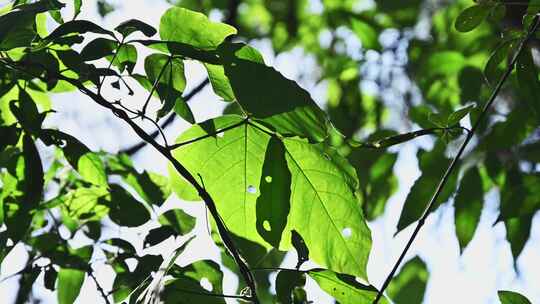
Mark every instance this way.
x=156 y=82
x=98 y=286
x=137 y=147
x=178 y=145
x=217 y=295
x=451 y=167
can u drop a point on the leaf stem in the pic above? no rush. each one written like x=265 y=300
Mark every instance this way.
x=178 y=145
x=156 y=82
x=452 y=165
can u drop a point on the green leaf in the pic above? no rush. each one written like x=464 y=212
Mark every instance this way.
x=77 y=8
x=70 y=282
x=230 y=167
x=445 y=63
x=125 y=210
x=189 y=27
x=179 y=220
x=17 y=29
x=471 y=17
x=128 y=27
x=87 y=163
x=27 y=113
x=511 y=297
x=528 y=83
x=272 y=99
x=126 y=58
x=410 y=284
x=518 y=230
x=366 y=33
x=432 y=165
x=456 y=116
x=86 y=203
x=344 y=288
x=219 y=81
x=468 y=205
x=158 y=235
x=286 y=282
x=273 y=204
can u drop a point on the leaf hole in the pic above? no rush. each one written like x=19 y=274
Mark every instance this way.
x=346 y=232
x=206 y=284
x=220 y=134
x=266 y=226
x=251 y=189
x=268 y=179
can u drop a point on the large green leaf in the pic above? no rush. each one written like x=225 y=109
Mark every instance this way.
x=471 y=17
x=511 y=297
x=271 y=98
x=323 y=206
x=468 y=206
x=189 y=27
x=70 y=282
x=344 y=288
x=410 y=284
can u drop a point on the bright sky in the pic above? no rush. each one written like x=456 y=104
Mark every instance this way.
x=484 y=267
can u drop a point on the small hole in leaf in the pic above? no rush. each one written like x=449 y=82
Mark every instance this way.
x=266 y=226
x=346 y=232
x=205 y=283
x=220 y=134
x=251 y=189
x=268 y=179
x=327 y=156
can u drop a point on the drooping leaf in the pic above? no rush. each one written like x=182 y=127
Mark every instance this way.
x=471 y=17
x=192 y=28
x=50 y=278
x=220 y=83
x=492 y=72
x=511 y=297
x=33 y=174
x=410 y=284
x=457 y=115
x=77 y=8
x=468 y=205
x=518 y=230
x=344 y=288
x=529 y=85
x=432 y=165
x=70 y=282
x=130 y=26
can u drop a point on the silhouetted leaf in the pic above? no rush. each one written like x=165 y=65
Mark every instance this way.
x=98 y=48
x=50 y=278
x=286 y=281
x=527 y=75
x=158 y=235
x=77 y=27
x=125 y=210
x=133 y=25
x=180 y=221
x=301 y=249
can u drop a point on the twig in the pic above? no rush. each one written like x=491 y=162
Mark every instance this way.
x=217 y=295
x=98 y=286
x=156 y=82
x=450 y=169
x=178 y=145
x=137 y=147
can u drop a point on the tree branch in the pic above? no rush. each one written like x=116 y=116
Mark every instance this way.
x=168 y=121
x=452 y=165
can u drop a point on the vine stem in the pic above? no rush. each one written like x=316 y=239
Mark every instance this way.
x=453 y=163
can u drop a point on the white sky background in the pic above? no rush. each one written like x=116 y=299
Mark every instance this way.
x=485 y=266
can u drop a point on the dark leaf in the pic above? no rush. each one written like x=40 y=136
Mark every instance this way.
x=77 y=27
x=468 y=205
x=50 y=278
x=286 y=281
x=528 y=83
x=471 y=17
x=180 y=221
x=133 y=25
x=511 y=297
x=125 y=210
x=301 y=249
x=410 y=284
x=158 y=235
x=98 y=48
x=273 y=204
